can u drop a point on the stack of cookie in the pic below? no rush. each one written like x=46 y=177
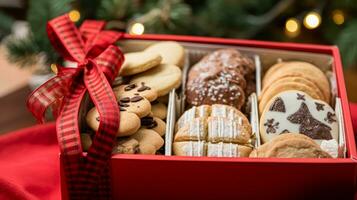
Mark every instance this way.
x=221 y=77
x=295 y=99
x=140 y=129
x=217 y=130
x=301 y=76
x=159 y=66
x=151 y=74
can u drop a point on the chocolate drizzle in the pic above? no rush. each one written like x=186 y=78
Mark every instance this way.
x=278 y=105
x=271 y=126
x=310 y=126
x=330 y=118
x=319 y=106
x=125 y=100
x=130 y=87
x=136 y=98
x=143 y=87
x=148 y=122
x=300 y=97
x=285 y=131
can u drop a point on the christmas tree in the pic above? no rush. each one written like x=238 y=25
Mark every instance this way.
x=312 y=21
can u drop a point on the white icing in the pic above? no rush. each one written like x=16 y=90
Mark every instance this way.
x=292 y=104
x=222 y=149
x=330 y=146
x=194 y=148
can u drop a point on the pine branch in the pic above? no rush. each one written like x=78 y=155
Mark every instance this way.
x=115 y=9
x=25 y=52
x=22 y=51
x=347 y=42
x=5 y=24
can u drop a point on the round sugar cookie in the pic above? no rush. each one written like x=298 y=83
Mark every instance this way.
x=135 y=104
x=162 y=78
x=154 y=123
x=290 y=145
x=170 y=51
x=297 y=79
x=275 y=89
x=141 y=89
x=296 y=112
x=296 y=68
x=129 y=122
x=148 y=137
x=137 y=62
x=159 y=110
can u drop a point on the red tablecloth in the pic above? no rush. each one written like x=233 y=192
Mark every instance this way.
x=29 y=167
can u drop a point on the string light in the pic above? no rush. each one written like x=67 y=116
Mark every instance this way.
x=312 y=20
x=54 y=68
x=74 y=15
x=338 y=17
x=292 y=27
x=137 y=29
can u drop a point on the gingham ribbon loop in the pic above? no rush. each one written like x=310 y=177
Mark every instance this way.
x=98 y=62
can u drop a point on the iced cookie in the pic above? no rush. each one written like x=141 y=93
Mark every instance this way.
x=162 y=78
x=129 y=122
x=86 y=141
x=148 y=138
x=126 y=146
x=189 y=148
x=155 y=124
x=215 y=110
x=290 y=145
x=296 y=112
x=141 y=89
x=135 y=104
x=159 y=110
x=227 y=150
x=299 y=69
x=171 y=52
x=138 y=62
x=215 y=129
x=202 y=148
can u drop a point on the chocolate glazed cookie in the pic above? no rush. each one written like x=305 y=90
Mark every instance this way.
x=219 y=78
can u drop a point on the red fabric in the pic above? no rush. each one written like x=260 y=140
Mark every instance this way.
x=98 y=62
x=29 y=164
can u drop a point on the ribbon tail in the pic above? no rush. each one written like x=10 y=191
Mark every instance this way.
x=69 y=141
x=104 y=100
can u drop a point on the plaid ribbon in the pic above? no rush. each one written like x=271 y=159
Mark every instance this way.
x=98 y=62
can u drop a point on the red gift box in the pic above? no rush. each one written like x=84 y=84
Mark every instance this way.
x=176 y=177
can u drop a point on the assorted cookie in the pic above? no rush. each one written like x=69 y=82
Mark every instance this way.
x=220 y=78
x=206 y=128
x=295 y=117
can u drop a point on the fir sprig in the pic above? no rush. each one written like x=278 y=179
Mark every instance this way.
x=25 y=51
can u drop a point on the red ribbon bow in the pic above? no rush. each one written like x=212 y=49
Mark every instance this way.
x=98 y=62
